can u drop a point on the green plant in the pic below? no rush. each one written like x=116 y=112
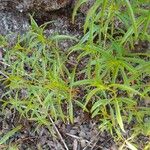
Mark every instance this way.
x=116 y=20
x=114 y=78
x=115 y=81
x=37 y=80
x=112 y=81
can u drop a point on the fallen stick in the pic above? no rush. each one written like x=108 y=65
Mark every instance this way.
x=65 y=145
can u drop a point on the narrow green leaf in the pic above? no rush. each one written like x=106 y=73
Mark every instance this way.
x=131 y=146
x=82 y=106
x=118 y=116
x=71 y=112
x=126 y=88
x=91 y=14
x=78 y=4
x=101 y=102
x=91 y=94
x=127 y=101
x=115 y=74
x=9 y=134
x=64 y=37
x=82 y=82
x=132 y=17
x=95 y=113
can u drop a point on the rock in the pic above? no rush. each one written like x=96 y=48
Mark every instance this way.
x=73 y=132
x=12 y=22
x=33 y=5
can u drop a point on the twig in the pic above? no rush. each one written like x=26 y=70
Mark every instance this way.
x=24 y=139
x=3 y=74
x=107 y=140
x=3 y=63
x=75 y=144
x=92 y=140
x=88 y=142
x=79 y=138
x=74 y=136
x=58 y=132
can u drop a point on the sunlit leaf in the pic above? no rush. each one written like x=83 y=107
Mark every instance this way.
x=131 y=146
x=118 y=116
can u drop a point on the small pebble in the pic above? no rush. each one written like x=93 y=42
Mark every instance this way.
x=83 y=143
x=74 y=132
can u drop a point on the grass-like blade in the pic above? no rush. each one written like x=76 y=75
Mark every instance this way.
x=118 y=116
x=9 y=134
x=132 y=17
x=131 y=146
x=79 y=3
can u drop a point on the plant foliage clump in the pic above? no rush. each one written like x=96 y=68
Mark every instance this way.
x=115 y=77
x=116 y=74
x=36 y=79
